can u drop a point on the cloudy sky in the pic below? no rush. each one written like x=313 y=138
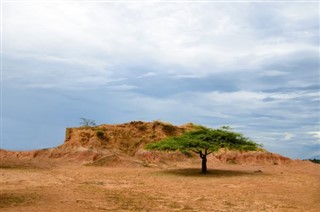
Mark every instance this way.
x=251 y=65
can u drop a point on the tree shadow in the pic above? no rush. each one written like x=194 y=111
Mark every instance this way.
x=193 y=172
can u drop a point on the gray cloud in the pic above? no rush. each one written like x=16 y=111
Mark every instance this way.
x=254 y=66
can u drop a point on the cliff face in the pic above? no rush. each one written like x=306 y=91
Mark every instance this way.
x=128 y=137
x=110 y=145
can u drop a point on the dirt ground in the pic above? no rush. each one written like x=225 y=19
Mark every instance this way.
x=226 y=187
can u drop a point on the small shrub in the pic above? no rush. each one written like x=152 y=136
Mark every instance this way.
x=136 y=122
x=87 y=123
x=168 y=129
x=157 y=122
x=142 y=128
x=100 y=135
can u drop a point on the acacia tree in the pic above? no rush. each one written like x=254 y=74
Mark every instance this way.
x=204 y=141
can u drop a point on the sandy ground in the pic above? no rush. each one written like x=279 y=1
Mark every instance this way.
x=227 y=187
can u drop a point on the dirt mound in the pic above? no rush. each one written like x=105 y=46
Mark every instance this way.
x=117 y=160
x=252 y=158
x=106 y=145
x=128 y=137
x=123 y=144
x=163 y=159
x=24 y=159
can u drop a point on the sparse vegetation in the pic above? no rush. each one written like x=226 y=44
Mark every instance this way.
x=10 y=200
x=142 y=128
x=18 y=166
x=204 y=141
x=157 y=122
x=314 y=160
x=100 y=134
x=169 y=129
x=87 y=122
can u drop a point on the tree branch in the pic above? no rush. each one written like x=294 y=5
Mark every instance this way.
x=201 y=155
x=198 y=152
x=209 y=153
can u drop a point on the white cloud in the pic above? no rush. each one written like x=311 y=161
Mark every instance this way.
x=198 y=38
x=188 y=76
x=148 y=74
x=123 y=87
x=315 y=135
x=288 y=136
x=273 y=73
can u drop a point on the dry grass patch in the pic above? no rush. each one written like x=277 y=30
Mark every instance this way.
x=18 y=166
x=13 y=199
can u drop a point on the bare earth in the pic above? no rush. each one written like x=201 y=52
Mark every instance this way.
x=227 y=187
x=106 y=168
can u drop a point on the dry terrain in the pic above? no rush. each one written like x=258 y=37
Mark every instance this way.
x=227 y=187
x=105 y=168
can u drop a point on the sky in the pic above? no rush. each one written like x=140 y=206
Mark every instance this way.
x=251 y=65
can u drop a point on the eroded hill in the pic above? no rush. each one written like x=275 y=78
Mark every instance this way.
x=128 y=137
x=123 y=145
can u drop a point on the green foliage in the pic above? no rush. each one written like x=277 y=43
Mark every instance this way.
x=205 y=138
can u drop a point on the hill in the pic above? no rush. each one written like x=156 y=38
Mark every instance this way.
x=123 y=144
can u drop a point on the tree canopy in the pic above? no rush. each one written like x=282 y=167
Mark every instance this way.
x=203 y=138
x=204 y=141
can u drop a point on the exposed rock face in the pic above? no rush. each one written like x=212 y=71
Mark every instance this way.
x=123 y=144
x=128 y=137
x=101 y=145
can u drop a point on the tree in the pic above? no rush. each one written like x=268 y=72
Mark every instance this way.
x=204 y=141
x=87 y=122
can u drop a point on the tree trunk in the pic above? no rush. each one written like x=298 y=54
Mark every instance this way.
x=204 y=164
x=204 y=159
